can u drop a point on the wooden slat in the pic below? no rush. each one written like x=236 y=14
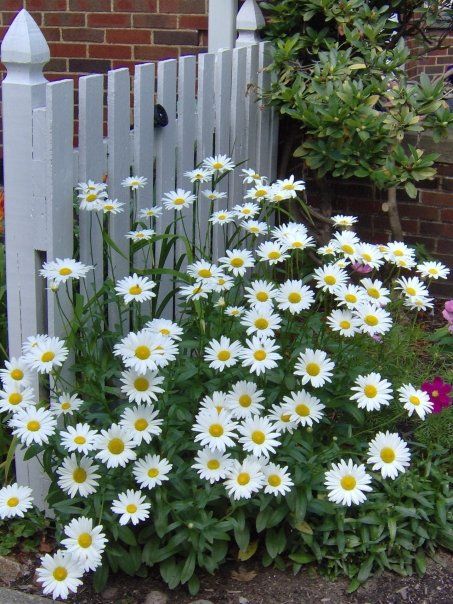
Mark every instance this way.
x=91 y=167
x=264 y=115
x=238 y=123
x=251 y=106
x=144 y=81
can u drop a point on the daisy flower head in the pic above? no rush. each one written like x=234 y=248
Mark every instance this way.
x=91 y=199
x=251 y=176
x=141 y=351
x=78 y=477
x=80 y=438
x=259 y=354
x=202 y=270
x=142 y=422
x=344 y=322
x=373 y=319
x=198 y=175
x=433 y=270
x=134 y=182
x=304 y=409
x=411 y=287
x=140 y=235
x=135 y=288
x=260 y=292
x=419 y=302
x=327 y=250
x=217 y=400
x=244 y=479
x=91 y=186
x=222 y=353
x=131 y=507
x=278 y=479
x=259 y=192
x=294 y=296
x=222 y=217
x=330 y=277
x=347 y=483
x=222 y=283
x=152 y=212
x=415 y=400
x=46 y=354
x=342 y=221
x=254 y=227
x=16 y=372
x=32 y=342
x=294 y=237
x=215 y=430
x=111 y=206
x=244 y=399
x=314 y=367
x=261 y=320
x=15 y=500
x=166 y=328
x=389 y=454
x=14 y=397
x=399 y=254
x=272 y=252
x=276 y=194
x=247 y=210
x=218 y=163
x=281 y=418
x=258 y=436
x=151 y=471
x=177 y=200
x=60 y=574
x=291 y=185
x=237 y=261
x=346 y=243
x=60 y=271
x=376 y=292
x=369 y=255
x=32 y=425
x=214 y=195
x=85 y=541
x=211 y=465
x=197 y=290
x=234 y=311
x=372 y=392
x=350 y=296
x=66 y=404
x=116 y=446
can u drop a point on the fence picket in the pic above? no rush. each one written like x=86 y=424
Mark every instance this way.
x=251 y=107
x=264 y=149
x=238 y=115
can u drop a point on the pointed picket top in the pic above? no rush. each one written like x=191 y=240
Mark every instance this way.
x=24 y=42
x=249 y=21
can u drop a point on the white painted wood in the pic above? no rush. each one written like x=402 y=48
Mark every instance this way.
x=264 y=114
x=221 y=24
x=238 y=123
x=143 y=141
x=249 y=21
x=91 y=167
x=251 y=106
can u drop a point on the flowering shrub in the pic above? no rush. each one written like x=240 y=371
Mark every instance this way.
x=264 y=415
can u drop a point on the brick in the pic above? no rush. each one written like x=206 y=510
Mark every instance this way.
x=46 y=5
x=190 y=7
x=82 y=34
x=177 y=38
x=437 y=229
x=88 y=66
x=109 y=20
x=136 y=6
x=128 y=36
x=445 y=169
x=8 y=18
x=51 y=34
x=156 y=21
x=67 y=50
x=12 y=5
x=155 y=53
x=56 y=65
x=447 y=216
x=410 y=226
x=435 y=198
x=90 y=6
x=418 y=210
x=193 y=22
x=104 y=51
x=447 y=185
x=443 y=60
x=64 y=19
x=444 y=246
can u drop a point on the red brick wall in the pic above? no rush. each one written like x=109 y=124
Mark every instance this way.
x=432 y=63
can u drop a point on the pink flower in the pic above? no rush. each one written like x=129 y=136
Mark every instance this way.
x=449 y=306
x=439 y=393
x=358 y=267
x=447 y=313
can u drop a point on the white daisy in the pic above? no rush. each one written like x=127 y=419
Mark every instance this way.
x=276 y=194
x=140 y=235
x=234 y=311
x=198 y=175
x=111 y=206
x=131 y=506
x=91 y=186
x=314 y=367
x=350 y=296
x=217 y=400
x=215 y=430
x=202 y=270
x=222 y=283
x=415 y=400
x=389 y=454
x=48 y=353
x=81 y=438
x=330 y=277
x=78 y=477
x=346 y=483
x=258 y=436
x=294 y=296
x=141 y=387
x=134 y=182
x=244 y=479
x=346 y=242
x=214 y=195
x=260 y=292
x=15 y=500
x=419 y=303
x=222 y=217
x=116 y=446
x=151 y=471
x=370 y=255
x=247 y=210
x=237 y=261
x=60 y=574
x=250 y=176
x=281 y=418
x=327 y=250
x=344 y=322
x=291 y=185
x=91 y=199
x=344 y=221
x=32 y=425
x=222 y=353
x=85 y=541
x=218 y=163
x=212 y=465
x=293 y=236
x=272 y=252
x=278 y=479
x=14 y=397
x=244 y=400
x=433 y=270
x=142 y=422
x=135 y=288
x=372 y=392
x=260 y=354
x=376 y=292
x=60 y=271
x=259 y=192
x=66 y=404
x=16 y=372
x=254 y=227
x=166 y=328
x=151 y=212
x=397 y=251
x=197 y=290
x=304 y=409
x=141 y=351
x=412 y=287
x=261 y=321
x=373 y=320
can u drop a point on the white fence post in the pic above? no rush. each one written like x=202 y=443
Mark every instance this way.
x=222 y=24
x=24 y=51
x=249 y=21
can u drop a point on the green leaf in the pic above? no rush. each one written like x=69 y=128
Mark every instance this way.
x=302 y=557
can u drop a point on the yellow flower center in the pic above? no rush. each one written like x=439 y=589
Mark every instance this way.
x=12 y=502
x=260 y=193
x=285 y=417
x=262 y=296
x=140 y=424
x=179 y=201
x=254 y=229
x=370 y=391
x=80 y=440
x=141 y=384
x=433 y=271
x=48 y=356
x=139 y=235
x=142 y=352
x=258 y=437
x=297 y=243
x=15 y=398
x=398 y=253
x=348 y=483
x=414 y=400
x=302 y=410
x=294 y=298
x=224 y=355
x=243 y=478
x=245 y=211
x=131 y=508
x=345 y=324
x=65 y=406
x=435 y=393
x=313 y=369
x=366 y=257
x=108 y=207
x=217 y=165
x=135 y=290
x=116 y=446
x=288 y=187
x=371 y=320
x=259 y=355
x=274 y=255
x=64 y=272
x=410 y=291
x=373 y=292
x=347 y=249
x=60 y=573
x=213 y=464
x=245 y=400
x=330 y=280
x=33 y=426
x=17 y=374
x=237 y=262
x=85 y=540
x=204 y=273
x=274 y=480
x=91 y=197
x=221 y=216
x=221 y=281
x=153 y=472
x=261 y=323
x=216 y=430
x=350 y=298
x=79 y=475
x=388 y=455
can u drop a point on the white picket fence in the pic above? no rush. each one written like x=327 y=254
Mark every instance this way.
x=212 y=106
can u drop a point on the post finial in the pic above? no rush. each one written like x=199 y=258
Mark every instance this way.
x=249 y=21
x=24 y=42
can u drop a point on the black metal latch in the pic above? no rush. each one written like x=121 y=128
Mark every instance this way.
x=160 y=117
